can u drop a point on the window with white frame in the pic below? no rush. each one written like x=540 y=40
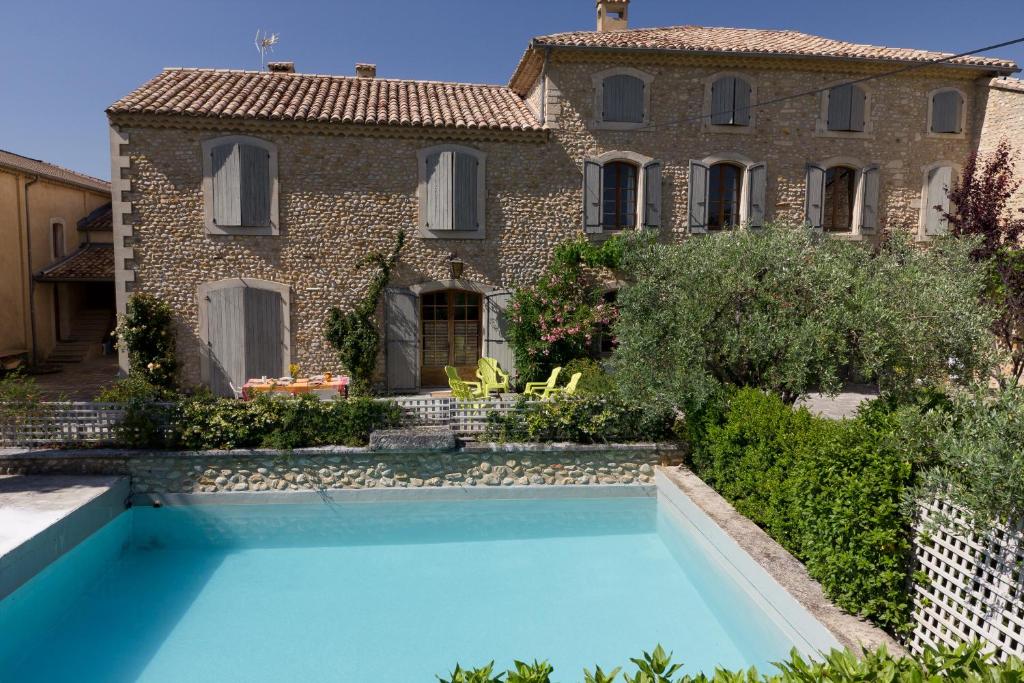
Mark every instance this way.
x=842 y=197
x=240 y=186
x=622 y=98
x=452 y=192
x=730 y=101
x=621 y=190
x=946 y=112
x=846 y=109
x=725 y=193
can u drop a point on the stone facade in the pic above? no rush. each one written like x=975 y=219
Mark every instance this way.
x=347 y=189
x=353 y=468
x=1003 y=103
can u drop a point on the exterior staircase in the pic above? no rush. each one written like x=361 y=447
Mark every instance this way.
x=89 y=330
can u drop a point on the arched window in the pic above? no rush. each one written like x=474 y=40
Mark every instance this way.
x=724 y=184
x=618 y=195
x=240 y=185
x=730 y=101
x=947 y=112
x=847 y=108
x=840 y=197
x=622 y=98
x=938 y=181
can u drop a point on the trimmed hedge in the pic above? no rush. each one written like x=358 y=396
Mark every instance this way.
x=966 y=663
x=832 y=492
x=581 y=419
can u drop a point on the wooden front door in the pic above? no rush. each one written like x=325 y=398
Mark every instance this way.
x=450 y=335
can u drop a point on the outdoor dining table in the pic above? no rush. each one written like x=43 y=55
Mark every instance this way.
x=334 y=388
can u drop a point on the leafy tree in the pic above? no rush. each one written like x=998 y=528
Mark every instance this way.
x=789 y=311
x=355 y=334
x=981 y=200
x=145 y=331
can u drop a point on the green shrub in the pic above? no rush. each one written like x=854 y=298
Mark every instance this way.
x=594 y=379
x=831 y=492
x=21 y=401
x=966 y=664
x=146 y=332
x=580 y=419
x=149 y=411
x=206 y=422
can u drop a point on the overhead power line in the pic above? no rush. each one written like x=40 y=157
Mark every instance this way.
x=817 y=91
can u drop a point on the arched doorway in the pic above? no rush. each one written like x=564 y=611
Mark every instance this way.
x=450 y=334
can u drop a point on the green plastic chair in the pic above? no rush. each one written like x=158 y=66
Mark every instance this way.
x=462 y=389
x=492 y=377
x=568 y=390
x=539 y=388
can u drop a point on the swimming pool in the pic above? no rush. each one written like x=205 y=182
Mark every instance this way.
x=383 y=591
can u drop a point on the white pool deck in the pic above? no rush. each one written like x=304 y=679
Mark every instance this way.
x=44 y=516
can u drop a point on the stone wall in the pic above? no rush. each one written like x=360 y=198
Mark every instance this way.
x=352 y=468
x=1003 y=103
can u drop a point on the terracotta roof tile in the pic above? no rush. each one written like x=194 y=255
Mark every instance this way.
x=1007 y=83
x=90 y=262
x=336 y=99
x=101 y=219
x=52 y=172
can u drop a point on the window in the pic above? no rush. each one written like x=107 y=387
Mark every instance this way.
x=57 y=239
x=618 y=196
x=724 y=196
x=240 y=186
x=622 y=98
x=730 y=101
x=451 y=192
x=847 y=106
x=946 y=109
x=840 y=190
x=842 y=198
x=938 y=181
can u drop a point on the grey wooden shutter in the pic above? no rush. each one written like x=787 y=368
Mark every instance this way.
x=227 y=208
x=254 y=185
x=757 y=179
x=264 y=333
x=697 y=200
x=591 y=196
x=741 y=103
x=869 y=200
x=652 y=194
x=225 y=332
x=839 y=99
x=946 y=112
x=723 y=99
x=939 y=182
x=623 y=99
x=439 y=190
x=464 y=192
x=858 y=108
x=401 y=337
x=496 y=343
x=815 y=200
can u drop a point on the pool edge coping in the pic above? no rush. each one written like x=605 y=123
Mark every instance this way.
x=759 y=553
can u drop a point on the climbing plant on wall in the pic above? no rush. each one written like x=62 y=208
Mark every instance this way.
x=145 y=332
x=354 y=334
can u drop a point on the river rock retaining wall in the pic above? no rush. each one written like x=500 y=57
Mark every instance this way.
x=157 y=472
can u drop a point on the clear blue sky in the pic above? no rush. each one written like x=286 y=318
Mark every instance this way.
x=64 y=62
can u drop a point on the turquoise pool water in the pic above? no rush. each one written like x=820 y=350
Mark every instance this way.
x=377 y=592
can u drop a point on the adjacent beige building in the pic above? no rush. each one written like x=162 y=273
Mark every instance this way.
x=247 y=199
x=56 y=273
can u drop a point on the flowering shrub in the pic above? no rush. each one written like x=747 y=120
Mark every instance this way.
x=145 y=332
x=554 y=321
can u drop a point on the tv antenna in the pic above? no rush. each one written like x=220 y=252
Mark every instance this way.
x=265 y=43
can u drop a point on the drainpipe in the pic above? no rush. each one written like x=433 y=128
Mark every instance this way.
x=31 y=279
x=544 y=87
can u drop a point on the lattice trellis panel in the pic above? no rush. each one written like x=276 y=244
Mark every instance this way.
x=975 y=588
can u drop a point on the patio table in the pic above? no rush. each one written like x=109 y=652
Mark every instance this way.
x=337 y=387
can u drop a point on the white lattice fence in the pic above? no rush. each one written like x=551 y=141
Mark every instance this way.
x=60 y=422
x=975 y=588
x=463 y=417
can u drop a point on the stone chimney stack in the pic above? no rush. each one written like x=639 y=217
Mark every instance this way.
x=366 y=70
x=281 y=67
x=612 y=15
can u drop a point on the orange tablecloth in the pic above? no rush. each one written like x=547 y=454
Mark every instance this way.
x=337 y=385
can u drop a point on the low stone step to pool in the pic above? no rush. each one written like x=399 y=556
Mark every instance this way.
x=44 y=516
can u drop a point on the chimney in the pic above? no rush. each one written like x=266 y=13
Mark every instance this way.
x=612 y=15
x=281 y=67
x=366 y=70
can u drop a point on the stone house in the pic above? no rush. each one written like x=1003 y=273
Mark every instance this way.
x=247 y=199
x=57 y=262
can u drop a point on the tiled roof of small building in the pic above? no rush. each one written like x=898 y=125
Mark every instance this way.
x=52 y=172
x=89 y=263
x=101 y=219
x=758 y=42
x=1007 y=83
x=266 y=95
